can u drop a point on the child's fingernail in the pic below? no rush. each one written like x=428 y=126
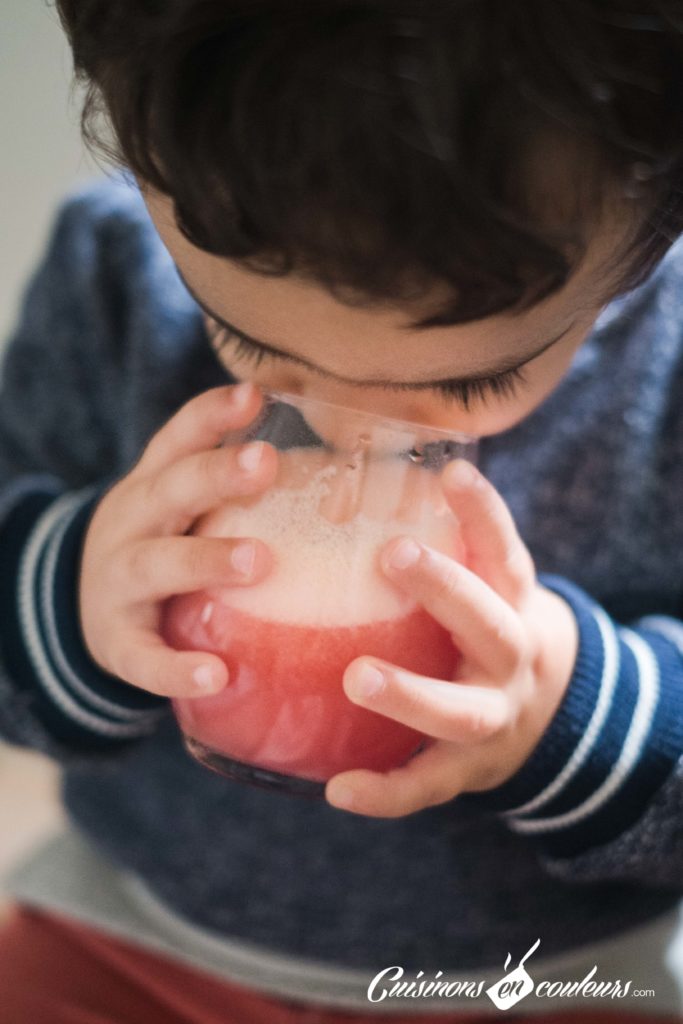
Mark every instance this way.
x=342 y=796
x=404 y=555
x=249 y=457
x=367 y=681
x=241 y=394
x=463 y=474
x=207 y=678
x=243 y=557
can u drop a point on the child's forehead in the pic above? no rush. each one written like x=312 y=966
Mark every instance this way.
x=301 y=316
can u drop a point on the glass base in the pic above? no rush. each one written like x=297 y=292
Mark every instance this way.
x=264 y=778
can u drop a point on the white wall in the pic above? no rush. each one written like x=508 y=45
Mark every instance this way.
x=41 y=154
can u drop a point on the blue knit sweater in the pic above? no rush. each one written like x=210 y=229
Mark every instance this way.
x=585 y=841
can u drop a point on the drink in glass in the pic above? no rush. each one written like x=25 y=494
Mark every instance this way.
x=347 y=482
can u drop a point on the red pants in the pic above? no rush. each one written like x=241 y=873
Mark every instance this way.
x=55 y=971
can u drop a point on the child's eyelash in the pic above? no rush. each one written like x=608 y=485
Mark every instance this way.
x=505 y=384
x=242 y=347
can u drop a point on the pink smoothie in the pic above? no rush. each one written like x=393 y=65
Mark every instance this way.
x=284 y=707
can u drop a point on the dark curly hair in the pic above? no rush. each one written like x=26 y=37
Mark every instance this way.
x=382 y=148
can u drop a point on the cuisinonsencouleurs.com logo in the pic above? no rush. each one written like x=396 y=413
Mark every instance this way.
x=505 y=993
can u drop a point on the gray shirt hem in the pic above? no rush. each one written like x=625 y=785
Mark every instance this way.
x=69 y=876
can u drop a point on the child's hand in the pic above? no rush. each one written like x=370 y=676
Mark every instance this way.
x=136 y=552
x=518 y=642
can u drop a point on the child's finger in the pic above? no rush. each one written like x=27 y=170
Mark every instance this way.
x=428 y=779
x=484 y=628
x=145 y=661
x=201 y=423
x=170 y=501
x=152 y=570
x=496 y=552
x=457 y=712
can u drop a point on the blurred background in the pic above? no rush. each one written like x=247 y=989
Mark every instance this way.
x=42 y=158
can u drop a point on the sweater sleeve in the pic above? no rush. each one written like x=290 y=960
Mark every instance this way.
x=601 y=796
x=58 y=454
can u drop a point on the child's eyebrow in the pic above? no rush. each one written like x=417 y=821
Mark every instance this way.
x=504 y=366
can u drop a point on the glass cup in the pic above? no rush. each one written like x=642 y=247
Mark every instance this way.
x=347 y=482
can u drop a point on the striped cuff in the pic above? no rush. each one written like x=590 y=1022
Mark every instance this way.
x=615 y=738
x=42 y=644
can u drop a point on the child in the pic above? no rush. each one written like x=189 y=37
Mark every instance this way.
x=461 y=213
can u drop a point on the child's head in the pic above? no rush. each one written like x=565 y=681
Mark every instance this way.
x=402 y=192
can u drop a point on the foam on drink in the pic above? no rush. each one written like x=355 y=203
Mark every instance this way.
x=326 y=572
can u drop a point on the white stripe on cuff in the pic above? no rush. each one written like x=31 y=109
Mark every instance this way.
x=53 y=645
x=641 y=723
x=28 y=616
x=608 y=682
x=670 y=629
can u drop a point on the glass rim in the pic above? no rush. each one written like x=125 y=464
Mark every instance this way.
x=399 y=425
